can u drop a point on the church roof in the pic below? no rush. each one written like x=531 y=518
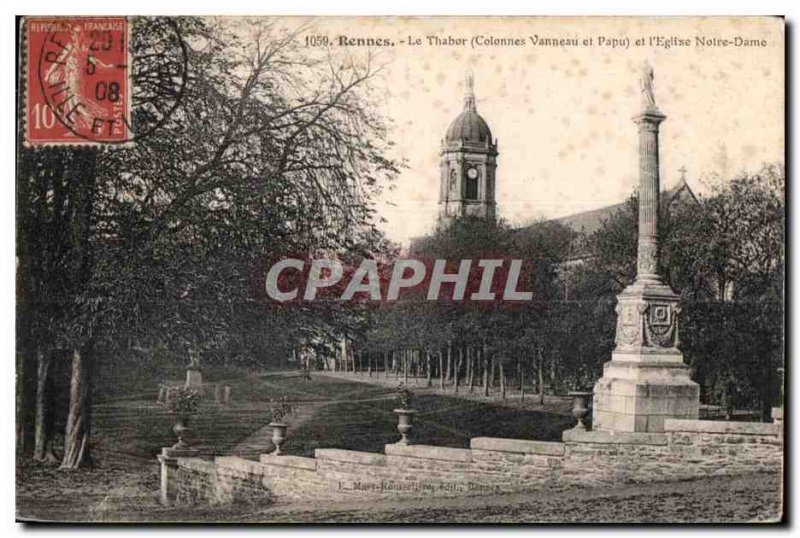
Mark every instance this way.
x=469 y=126
x=590 y=221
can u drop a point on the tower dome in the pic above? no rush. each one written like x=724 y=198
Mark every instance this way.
x=469 y=126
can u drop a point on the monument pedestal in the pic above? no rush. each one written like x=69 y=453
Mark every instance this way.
x=194 y=379
x=637 y=395
x=646 y=379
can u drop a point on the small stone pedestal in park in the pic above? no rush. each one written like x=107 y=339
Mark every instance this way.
x=194 y=378
x=777 y=416
x=168 y=459
x=646 y=380
x=222 y=394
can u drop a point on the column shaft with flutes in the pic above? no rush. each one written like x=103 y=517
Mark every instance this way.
x=649 y=185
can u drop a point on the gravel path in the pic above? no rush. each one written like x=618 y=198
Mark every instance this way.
x=555 y=404
x=755 y=498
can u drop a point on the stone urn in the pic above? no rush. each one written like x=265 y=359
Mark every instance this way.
x=580 y=407
x=278 y=436
x=182 y=430
x=405 y=422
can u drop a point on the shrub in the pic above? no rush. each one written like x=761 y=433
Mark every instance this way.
x=181 y=401
x=281 y=409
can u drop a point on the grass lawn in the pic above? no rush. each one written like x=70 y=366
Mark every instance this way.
x=441 y=420
x=135 y=426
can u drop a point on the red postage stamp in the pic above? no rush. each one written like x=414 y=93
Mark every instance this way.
x=77 y=81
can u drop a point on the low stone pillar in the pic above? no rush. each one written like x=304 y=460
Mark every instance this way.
x=226 y=395
x=777 y=417
x=194 y=378
x=162 y=393
x=168 y=459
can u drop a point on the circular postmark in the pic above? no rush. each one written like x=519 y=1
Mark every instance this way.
x=159 y=71
x=106 y=84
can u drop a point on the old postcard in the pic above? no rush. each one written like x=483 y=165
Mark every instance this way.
x=400 y=269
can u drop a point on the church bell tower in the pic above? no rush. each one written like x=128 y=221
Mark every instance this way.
x=468 y=165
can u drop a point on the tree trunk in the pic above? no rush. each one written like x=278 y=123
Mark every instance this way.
x=456 y=369
x=405 y=367
x=76 y=437
x=428 y=373
x=502 y=382
x=25 y=398
x=42 y=448
x=28 y=254
x=448 y=374
x=474 y=360
x=485 y=372
x=469 y=365
x=540 y=372
x=386 y=364
x=521 y=382
x=441 y=370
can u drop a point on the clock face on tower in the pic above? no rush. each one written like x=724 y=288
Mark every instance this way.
x=472 y=172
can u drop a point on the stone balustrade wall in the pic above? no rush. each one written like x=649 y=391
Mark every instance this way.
x=687 y=449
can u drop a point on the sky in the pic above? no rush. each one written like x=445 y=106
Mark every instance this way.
x=562 y=114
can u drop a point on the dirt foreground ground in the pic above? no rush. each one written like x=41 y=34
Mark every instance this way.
x=755 y=498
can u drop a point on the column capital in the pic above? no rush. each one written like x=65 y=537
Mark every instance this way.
x=651 y=117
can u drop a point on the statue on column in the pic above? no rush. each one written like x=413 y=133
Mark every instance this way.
x=648 y=97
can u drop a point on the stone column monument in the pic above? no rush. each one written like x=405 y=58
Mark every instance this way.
x=646 y=380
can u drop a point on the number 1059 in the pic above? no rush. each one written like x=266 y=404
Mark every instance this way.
x=316 y=41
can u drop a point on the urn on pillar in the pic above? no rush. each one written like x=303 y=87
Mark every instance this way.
x=646 y=379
